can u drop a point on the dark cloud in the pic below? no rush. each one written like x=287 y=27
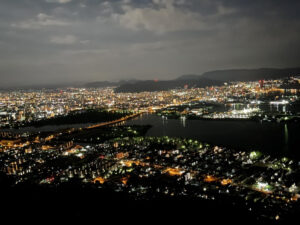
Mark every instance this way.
x=51 y=41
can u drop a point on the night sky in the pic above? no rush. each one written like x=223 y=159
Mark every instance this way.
x=65 y=41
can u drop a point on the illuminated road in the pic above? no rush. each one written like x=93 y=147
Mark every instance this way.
x=114 y=121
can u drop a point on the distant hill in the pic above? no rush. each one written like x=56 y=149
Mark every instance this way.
x=189 y=77
x=100 y=84
x=245 y=74
x=217 y=77
x=150 y=85
x=210 y=78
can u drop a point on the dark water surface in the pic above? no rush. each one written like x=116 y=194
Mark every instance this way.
x=275 y=138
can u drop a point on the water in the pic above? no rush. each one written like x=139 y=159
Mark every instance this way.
x=277 y=139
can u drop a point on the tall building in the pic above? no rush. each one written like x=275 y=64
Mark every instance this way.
x=261 y=83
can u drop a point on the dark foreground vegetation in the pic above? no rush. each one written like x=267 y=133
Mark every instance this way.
x=77 y=117
x=73 y=202
x=101 y=134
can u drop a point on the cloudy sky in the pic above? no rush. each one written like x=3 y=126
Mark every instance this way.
x=54 y=41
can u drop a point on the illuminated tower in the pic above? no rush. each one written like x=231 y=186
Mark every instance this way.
x=261 y=83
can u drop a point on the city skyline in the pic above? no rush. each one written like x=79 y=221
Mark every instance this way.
x=67 y=41
x=232 y=146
